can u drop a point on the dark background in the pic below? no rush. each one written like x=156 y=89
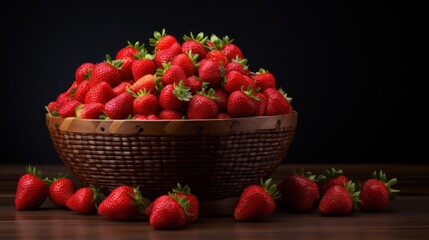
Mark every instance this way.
x=350 y=67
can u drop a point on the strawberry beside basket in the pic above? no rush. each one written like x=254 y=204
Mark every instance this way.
x=217 y=158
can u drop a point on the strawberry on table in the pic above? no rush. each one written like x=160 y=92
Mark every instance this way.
x=169 y=212
x=376 y=192
x=339 y=200
x=61 y=189
x=299 y=191
x=329 y=178
x=85 y=200
x=193 y=201
x=257 y=201
x=31 y=190
x=122 y=204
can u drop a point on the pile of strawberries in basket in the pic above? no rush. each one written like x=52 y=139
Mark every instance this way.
x=200 y=78
x=332 y=192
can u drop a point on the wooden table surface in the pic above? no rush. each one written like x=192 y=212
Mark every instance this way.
x=406 y=218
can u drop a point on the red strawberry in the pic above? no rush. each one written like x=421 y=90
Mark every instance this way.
x=139 y=117
x=107 y=71
x=143 y=65
x=277 y=102
x=234 y=81
x=162 y=40
x=249 y=82
x=222 y=115
x=217 y=56
x=242 y=103
x=68 y=109
x=126 y=68
x=52 y=108
x=299 y=191
x=167 y=55
x=173 y=97
x=170 y=114
x=264 y=79
x=195 y=45
x=81 y=91
x=195 y=83
x=339 y=200
x=63 y=98
x=147 y=82
x=83 y=72
x=211 y=72
x=119 y=107
x=169 y=211
x=221 y=99
x=72 y=89
x=31 y=190
x=231 y=50
x=193 y=201
x=122 y=87
x=100 y=93
x=122 y=204
x=145 y=103
x=171 y=74
x=237 y=64
x=85 y=200
x=256 y=201
x=203 y=106
x=329 y=178
x=60 y=190
x=89 y=110
x=130 y=50
x=187 y=61
x=376 y=192
x=262 y=104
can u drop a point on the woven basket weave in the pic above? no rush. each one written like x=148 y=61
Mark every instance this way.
x=216 y=158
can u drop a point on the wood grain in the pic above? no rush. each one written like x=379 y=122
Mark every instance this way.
x=406 y=218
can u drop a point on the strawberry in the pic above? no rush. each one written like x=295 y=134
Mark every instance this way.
x=139 y=117
x=63 y=98
x=52 y=108
x=234 y=80
x=264 y=79
x=107 y=71
x=203 y=106
x=231 y=50
x=376 y=192
x=261 y=105
x=126 y=68
x=173 y=97
x=143 y=65
x=119 y=107
x=217 y=56
x=237 y=64
x=168 y=212
x=85 y=200
x=31 y=190
x=68 y=109
x=89 y=110
x=81 y=91
x=171 y=74
x=167 y=55
x=187 y=61
x=130 y=50
x=147 y=82
x=83 y=72
x=153 y=117
x=242 y=103
x=195 y=83
x=277 y=102
x=329 y=178
x=221 y=99
x=100 y=93
x=72 y=89
x=339 y=200
x=211 y=71
x=170 y=114
x=299 y=191
x=145 y=103
x=248 y=81
x=256 y=201
x=193 y=201
x=60 y=190
x=122 y=87
x=222 y=115
x=195 y=45
x=122 y=204
x=162 y=40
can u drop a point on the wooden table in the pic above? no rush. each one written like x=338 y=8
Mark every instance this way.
x=406 y=218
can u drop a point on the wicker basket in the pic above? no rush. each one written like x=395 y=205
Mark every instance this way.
x=216 y=158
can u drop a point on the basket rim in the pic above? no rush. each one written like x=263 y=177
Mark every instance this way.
x=171 y=127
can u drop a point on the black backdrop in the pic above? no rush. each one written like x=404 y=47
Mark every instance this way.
x=350 y=67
